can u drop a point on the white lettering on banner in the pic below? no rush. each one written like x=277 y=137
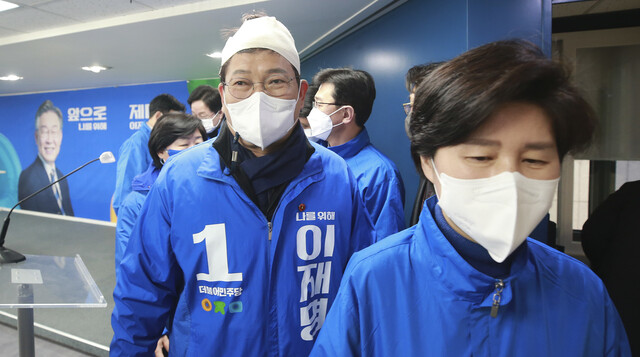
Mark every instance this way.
x=138 y=111
x=135 y=125
x=73 y=114
x=88 y=114
x=99 y=126
x=100 y=113
x=215 y=238
x=84 y=126
x=313 y=314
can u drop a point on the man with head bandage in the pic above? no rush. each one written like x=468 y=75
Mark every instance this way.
x=253 y=272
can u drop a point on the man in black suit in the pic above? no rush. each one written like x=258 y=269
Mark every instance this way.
x=43 y=170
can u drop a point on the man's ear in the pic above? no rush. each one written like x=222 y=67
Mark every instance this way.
x=304 y=86
x=155 y=116
x=224 y=105
x=221 y=91
x=349 y=115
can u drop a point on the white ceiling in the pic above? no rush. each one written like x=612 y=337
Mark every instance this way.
x=146 y=41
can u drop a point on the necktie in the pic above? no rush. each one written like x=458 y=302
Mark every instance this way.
x=56 y=190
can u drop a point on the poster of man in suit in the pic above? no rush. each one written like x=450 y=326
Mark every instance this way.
x=43 y=170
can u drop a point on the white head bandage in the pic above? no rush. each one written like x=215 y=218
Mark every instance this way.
x=263 y=32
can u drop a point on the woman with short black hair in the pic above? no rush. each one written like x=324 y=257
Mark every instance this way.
x=171 y=134
x=489 y=129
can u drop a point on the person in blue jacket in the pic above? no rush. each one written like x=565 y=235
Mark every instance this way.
x=171 y=134
x=133 y=155
x=342 y=106
x=242 y=241
x=490 y=128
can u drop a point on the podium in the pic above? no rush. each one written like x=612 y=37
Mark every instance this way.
x=43 y=281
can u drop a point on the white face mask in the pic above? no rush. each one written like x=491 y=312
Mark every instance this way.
x=498 y=212
x=261 y=119
x=208 y=123
x=320 y=124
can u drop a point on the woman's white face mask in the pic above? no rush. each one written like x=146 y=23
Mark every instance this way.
x=498 y=212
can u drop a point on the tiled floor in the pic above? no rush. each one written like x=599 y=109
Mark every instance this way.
x=44 y=348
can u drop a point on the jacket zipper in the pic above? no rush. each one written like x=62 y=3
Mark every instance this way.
x=270 y=225
x=499 y=285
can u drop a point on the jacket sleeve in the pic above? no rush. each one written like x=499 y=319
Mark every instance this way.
x=130 y=163
x=389 y=211
x=363 y=233
x=340 y=333
x=148 y=282
x=129 y=211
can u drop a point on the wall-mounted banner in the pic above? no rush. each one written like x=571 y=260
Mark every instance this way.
x=93 y=121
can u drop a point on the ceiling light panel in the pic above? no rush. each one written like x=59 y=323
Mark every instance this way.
x=160 y=4
x=11 y=77
x=5 y=5
x=91 y=10
x=26 y=19
x=30 y=2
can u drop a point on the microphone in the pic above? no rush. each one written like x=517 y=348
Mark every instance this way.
x=11 y=256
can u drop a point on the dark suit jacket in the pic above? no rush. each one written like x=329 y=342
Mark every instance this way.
x=34 y=178
x=611 y=241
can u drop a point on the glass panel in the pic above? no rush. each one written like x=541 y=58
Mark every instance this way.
x=580 y=193
x=610 y=76
x=47 y=281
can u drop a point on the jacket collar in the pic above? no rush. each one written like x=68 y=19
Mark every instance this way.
x=144 y=181
x=448 y=267
x=353 y=146
x=211 y=168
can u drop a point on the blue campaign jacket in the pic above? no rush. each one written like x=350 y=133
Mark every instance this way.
x=133 y=159
x=130 y=208
x=412 y=294
x=379 y=183
x=203 y=260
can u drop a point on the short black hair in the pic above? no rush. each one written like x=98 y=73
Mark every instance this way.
x=417 y=73
x=308 y=101
x=352 y=87
x=461 y=94
x=165 y=103
x=208 y=95
x=169 y=128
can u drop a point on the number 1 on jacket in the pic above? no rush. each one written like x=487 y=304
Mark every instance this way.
x=215 y=238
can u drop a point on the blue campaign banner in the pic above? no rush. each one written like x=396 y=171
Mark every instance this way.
x=94 y=121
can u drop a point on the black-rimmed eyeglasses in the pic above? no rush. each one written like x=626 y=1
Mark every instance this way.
x=321 y=105
x=275 y=86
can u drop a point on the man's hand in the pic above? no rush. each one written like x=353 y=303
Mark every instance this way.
x=162 y=348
